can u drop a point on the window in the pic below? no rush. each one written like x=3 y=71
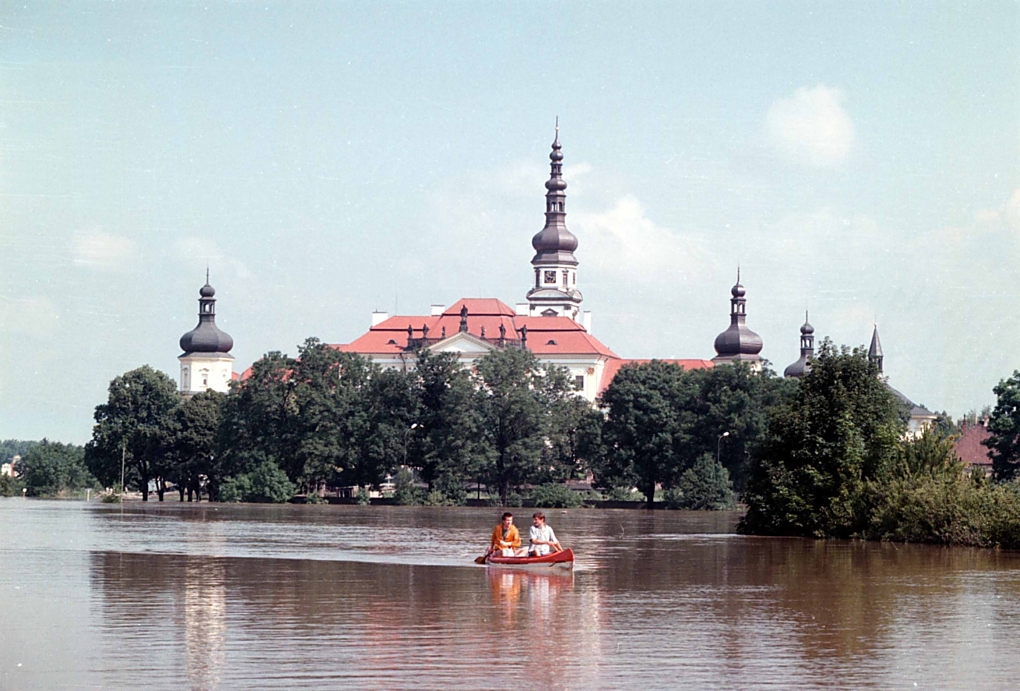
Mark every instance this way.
x=566 y=279
x=550 y=277
x=579 y=382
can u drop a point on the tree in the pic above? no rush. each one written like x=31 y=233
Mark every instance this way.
x=837 y=432
x=730 y=414
x=264 y=483
x=443 y=445
x=1004 y=429
x=514 y=395
x=648 y=409
x=705 y=486
x=259 y=417
x=131 y=425
x=50 y=469
x=190 y=443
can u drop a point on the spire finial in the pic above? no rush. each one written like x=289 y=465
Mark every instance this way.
x=207 y=273
x=738 y=274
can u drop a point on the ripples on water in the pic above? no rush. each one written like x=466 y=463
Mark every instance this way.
x=285 y=597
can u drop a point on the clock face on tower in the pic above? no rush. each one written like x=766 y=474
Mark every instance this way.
x=550 y=277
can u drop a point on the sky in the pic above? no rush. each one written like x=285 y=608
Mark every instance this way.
x=858 y=160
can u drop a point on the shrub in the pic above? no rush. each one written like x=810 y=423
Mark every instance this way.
x=406 y=491
x=363 y=497
x=555 y=496
x=705 y=486
x=437 y=498
x=315 y=498
x=110 y=498
x=622 y=493
x=7 y=486
x=264 y=484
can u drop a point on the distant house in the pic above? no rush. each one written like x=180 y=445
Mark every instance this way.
x=10 y=469
x=971 y=449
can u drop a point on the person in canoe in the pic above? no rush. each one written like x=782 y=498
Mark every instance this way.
x=506 y=539
x=543 y=539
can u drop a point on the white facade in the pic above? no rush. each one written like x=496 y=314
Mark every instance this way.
x=204 y=371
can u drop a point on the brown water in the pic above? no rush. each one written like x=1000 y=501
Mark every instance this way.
x=264 y=597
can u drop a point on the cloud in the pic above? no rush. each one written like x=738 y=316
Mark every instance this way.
x=99 y=250
x=36 y=317
x=1013 y=211
x=811 y=127
x=624 y=241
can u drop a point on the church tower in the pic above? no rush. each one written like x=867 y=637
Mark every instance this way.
x=807 y=351
x=738 y=343
x=206 y=362
x=555 y=291
x=875 y=350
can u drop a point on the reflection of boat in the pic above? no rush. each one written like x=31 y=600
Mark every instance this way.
x=556 y=560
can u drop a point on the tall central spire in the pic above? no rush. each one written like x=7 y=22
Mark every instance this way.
x=555 y=290
x=738 y=343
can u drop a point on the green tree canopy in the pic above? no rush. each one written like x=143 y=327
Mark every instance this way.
x=648 y=428
x=1004 y=428
x=132 y=422
x=50 y=469
x=515 y=394
x=837 y=432
x=190 y=442
x=443 y=445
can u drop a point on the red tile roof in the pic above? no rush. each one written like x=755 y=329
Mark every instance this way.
x=613 y=366
x=970 y=449
x=546 y=335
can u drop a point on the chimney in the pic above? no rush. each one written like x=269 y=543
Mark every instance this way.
x=437 y=310
x=379 y=317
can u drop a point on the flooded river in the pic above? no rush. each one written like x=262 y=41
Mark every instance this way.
x=204 y=596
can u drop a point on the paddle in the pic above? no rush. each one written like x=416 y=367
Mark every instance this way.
x=479 y=560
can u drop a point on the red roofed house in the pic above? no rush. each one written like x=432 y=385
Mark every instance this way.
x=971 y=449
x=550 y=324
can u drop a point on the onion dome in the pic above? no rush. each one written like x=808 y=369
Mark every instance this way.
x=738 y=342
x=807 y=351
x=554 y=244
x=206 y=337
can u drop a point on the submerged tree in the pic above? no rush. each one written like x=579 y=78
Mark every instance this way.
x=50 y=469
x=515 y=394
x=648 y=426
x=130 y=426
x=837 y=432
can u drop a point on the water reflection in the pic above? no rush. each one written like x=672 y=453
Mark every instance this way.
x=205 y=622
x=220 y=597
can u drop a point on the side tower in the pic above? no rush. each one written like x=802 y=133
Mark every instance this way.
x=206 y=362
x=555 y=292
x=807 y=351
x=738 y=343
x=875 y=350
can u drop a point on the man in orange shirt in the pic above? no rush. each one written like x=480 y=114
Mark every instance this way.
x=506 y=539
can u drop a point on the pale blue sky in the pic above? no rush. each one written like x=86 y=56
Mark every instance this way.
x=329 y=159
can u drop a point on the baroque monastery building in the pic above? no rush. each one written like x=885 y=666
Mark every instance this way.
x=551 y=323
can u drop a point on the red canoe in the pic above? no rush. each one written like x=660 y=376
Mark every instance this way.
x=555 y=560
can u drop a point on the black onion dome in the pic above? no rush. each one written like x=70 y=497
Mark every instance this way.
x=738 y=340
x=206 y=337
x=799 y=368
x=554 y=239
x=807 y=329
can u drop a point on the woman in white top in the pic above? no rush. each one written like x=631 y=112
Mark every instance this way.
x=543 y=539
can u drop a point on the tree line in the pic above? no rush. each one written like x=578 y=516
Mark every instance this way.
x=328 y=418
x=835 y=462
